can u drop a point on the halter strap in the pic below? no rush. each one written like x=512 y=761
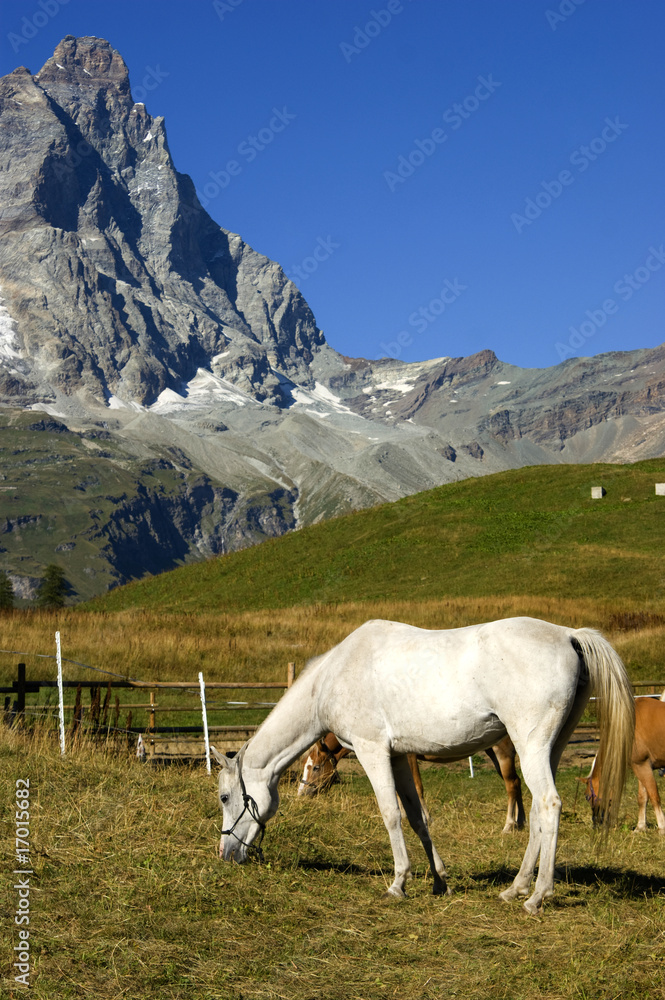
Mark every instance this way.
x=250 y=806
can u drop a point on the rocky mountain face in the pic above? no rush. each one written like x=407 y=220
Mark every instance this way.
x=181 y=362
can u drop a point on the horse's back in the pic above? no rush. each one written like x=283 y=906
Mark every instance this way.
x=444 y=691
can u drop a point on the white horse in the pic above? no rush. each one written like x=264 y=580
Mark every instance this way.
x=390 y=689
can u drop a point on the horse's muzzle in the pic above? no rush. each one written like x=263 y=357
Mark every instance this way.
x=232 y=850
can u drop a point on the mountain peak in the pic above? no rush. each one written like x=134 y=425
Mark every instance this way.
x=144 y=288
x=87 y=61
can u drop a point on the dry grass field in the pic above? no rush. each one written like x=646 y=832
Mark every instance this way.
x=129 y=898
x=257 y=645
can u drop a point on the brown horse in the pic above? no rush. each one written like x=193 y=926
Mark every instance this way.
x=320 y=772
x=648 y=753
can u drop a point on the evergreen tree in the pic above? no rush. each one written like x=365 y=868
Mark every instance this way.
x=6 y=592
x=53 y=587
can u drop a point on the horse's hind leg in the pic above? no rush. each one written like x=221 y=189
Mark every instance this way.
x=416 y=814
x=543 y=832
x=418 y=782
x=642 y=800
x=522 y=881
x=502 y=756
x=539 y=768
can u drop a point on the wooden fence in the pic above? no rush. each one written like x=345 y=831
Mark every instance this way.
x=185 y=742
x=105 y=716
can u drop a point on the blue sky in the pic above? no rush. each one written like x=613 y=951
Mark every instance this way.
x=438 y=176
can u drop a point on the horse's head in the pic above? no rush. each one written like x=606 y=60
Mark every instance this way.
x=320 y=771
x=592 y=784
x=247 y=803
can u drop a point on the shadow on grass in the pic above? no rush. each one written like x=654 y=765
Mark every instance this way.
x=626 y=884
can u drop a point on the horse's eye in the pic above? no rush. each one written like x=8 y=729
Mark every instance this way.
x=223 y=799
x=316 y=768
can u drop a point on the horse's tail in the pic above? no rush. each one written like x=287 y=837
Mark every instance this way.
x=615 y=708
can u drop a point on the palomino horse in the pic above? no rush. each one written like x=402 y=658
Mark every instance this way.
x=648 y=753
x=391 y=689
x=320 y=772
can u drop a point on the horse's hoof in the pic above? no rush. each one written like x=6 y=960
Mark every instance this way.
x=393 y=895
x=442 y=890
x=532 y=908
x=508 y=895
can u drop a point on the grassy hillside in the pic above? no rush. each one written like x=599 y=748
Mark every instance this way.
x=532 y=531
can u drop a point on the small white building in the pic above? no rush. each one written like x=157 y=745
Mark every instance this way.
x=597 y=492
x=660 y=489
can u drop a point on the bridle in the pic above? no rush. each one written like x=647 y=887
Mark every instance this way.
x=590 y=794
x=250 y=806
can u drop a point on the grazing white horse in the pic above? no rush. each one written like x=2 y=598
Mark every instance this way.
x=390 y=689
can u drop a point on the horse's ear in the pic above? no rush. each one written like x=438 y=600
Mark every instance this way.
x=221 y=759
x=241 y=754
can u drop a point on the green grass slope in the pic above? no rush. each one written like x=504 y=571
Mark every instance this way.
x=528 y=531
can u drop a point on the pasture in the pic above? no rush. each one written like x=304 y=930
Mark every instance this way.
x=130 y=899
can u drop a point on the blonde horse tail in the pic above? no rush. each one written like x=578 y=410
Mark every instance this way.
x=615 y=708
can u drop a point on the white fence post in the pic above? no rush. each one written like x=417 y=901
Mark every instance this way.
x=205 y=720
x=471 y=765
x=61 y=701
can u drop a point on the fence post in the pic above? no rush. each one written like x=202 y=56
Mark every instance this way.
x=78 y=712
x=204 y=713
x=151 y=721
x=20 y=691
x=61 y=702
x=105 y=710
x=290 y=674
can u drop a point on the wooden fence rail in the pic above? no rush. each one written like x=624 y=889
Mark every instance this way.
x=225 y=735
x=21 y=686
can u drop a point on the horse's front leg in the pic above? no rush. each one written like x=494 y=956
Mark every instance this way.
x=414 y=807
x=648 y=789
x=376 y=763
